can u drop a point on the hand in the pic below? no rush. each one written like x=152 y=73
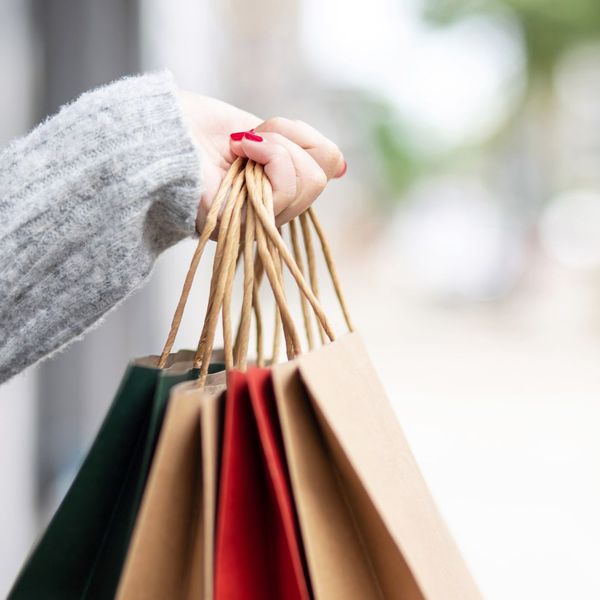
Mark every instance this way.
x=298 y=160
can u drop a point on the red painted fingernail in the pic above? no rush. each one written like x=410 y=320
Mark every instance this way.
x=237 y=136
x=343 y=170
x=252 y=136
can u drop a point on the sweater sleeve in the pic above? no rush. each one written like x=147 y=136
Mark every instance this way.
x=87 y=202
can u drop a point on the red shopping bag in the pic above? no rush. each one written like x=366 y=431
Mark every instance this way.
x=289 y=546
x=258 y=552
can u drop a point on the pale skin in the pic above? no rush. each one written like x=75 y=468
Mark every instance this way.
x=298 y=160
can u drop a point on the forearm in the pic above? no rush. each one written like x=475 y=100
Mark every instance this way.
x=88 y=200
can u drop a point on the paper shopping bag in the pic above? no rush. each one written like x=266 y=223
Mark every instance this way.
x=410 y=552
x=171 y=551
x=290 y=557
x=257 y=553
x=338 y=562
x=80 y=555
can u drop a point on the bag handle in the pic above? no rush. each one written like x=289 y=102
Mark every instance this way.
x=303 y=301
x=325 y=248
x=226 y=258
x=257 y=186
x=260 y=247
x=224 y=262
x=208 y=229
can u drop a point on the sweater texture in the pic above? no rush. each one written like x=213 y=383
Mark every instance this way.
x=88 y=200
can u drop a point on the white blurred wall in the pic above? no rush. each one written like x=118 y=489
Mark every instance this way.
x=17 y=398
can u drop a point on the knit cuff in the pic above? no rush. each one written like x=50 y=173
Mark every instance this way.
x=157 y=140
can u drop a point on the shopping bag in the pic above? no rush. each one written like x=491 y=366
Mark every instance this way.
x=80 y=554
x=338 y=561
x=287 y=543
x=318 y=493
x=397 y=543
x=405 y=541
x=171 y=551
x=257 y=547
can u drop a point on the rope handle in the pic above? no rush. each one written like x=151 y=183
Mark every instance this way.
x=259 y=246
x=224 y=262
x=208 y=229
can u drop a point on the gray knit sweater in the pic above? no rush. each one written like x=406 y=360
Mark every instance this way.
x=87 y=202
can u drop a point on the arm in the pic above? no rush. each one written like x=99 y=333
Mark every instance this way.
x=88 y=200
x=91 y=197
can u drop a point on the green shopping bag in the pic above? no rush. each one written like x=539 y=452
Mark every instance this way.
x=81 y=553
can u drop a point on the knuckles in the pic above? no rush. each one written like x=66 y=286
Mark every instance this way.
x=316 y=181
x=333 y=160
x=326 y=153
x=276 y=124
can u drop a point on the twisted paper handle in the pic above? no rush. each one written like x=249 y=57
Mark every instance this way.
x=259 y=246
x=208 y=229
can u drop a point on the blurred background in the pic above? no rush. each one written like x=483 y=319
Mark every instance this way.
x=467 y=232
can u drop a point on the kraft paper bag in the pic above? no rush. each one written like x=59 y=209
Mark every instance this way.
x=410 y=551
x=171 y=551
x=338 y=563
x=81 y=553
x=255 y=554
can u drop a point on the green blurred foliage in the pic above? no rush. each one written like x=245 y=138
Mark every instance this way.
x=400 y=160
x=403 y=154
x=549 y=27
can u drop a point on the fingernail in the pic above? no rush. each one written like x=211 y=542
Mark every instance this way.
x=252 y=136
x=343 y=170
x=237 y=136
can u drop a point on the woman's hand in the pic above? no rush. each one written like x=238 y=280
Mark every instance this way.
x=298 y=160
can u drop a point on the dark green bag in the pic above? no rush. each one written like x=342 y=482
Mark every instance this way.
x=81 y=553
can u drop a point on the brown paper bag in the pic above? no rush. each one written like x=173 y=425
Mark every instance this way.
x=171 y=553
x=369 y=524
x=337 y=559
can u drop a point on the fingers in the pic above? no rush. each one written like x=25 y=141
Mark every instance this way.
x=327 y=155
x=295 y=176
x=278 y=164
x=311 y=179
